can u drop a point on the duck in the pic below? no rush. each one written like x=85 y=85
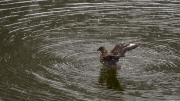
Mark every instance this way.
x=110 y=59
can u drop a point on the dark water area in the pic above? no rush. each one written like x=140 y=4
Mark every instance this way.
x=48 y=50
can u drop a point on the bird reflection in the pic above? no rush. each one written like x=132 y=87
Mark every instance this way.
x=109 y=79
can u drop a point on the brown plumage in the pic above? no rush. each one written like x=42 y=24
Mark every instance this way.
x=109 y=59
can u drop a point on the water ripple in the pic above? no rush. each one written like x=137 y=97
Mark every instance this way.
x=48 y=52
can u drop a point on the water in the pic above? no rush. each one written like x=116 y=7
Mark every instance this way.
x=48 y=50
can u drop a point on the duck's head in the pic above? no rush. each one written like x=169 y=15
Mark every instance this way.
x=102 y=49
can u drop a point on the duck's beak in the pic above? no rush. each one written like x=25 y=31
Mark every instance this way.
x=98 y=50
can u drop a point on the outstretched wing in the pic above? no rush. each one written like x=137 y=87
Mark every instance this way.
x=131 y=46
x=122 y=48
x=119 y=49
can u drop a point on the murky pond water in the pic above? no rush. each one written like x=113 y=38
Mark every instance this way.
x=48 y=50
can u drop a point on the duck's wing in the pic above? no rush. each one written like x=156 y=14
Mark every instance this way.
x=131 y=46
x=121 y=49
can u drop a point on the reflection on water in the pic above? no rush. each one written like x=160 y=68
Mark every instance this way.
x=48 y=50
x=108 y=78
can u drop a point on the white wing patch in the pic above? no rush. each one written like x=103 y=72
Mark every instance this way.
x=131 y=45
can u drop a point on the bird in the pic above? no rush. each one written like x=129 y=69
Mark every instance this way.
x=110 y=59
